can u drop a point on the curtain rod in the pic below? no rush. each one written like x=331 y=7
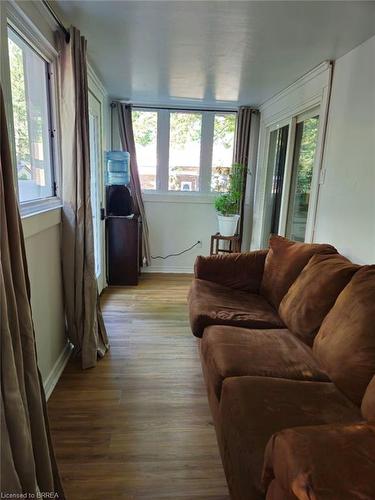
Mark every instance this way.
x=57 y=20
x=177 y=108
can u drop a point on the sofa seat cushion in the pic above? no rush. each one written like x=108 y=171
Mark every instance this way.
x=232 y=352
x=345 y=344
x=314 y=293
x=254 y=408
x=214 y=304
x=284 y=262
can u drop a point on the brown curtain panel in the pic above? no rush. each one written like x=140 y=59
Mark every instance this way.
x=128 y=144
x=27 y=460
x=241 y=150
x=85 y=324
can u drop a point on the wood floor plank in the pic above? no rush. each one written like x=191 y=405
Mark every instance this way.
x=138 y=425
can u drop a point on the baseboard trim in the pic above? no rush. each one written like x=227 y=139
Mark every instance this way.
x=54 y=375
x=171 y=269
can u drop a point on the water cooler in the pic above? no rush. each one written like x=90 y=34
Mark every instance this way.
x=123 y=227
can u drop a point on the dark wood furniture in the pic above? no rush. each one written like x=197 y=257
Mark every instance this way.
x=123 y=250
x=233 y=247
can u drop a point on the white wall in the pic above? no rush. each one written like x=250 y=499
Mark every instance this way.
x=176 y=225
x=346 y=206
x=42 y=241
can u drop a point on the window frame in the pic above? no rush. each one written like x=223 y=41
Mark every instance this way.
x=145 y=109
x=25 y=29
x=310 y=113
x=291 y=121
x=162 y=152
x=185 y=112
x=268 y=205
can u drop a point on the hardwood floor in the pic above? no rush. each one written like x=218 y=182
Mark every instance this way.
x=138 y=425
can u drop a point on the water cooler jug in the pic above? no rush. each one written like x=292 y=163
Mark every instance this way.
x=123 y=227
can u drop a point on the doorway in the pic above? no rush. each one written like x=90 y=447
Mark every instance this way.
x=301 y=179
x=290 y=171
x=96 y=166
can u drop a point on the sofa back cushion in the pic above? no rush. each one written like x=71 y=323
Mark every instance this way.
x=314 y=293
x=284 y=262
x=345 y=344
x=242 y=271
x=368 y=402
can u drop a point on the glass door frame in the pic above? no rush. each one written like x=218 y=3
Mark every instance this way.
x=289 y=154
x=95 y=108
x=288 y=171
x=315 y=165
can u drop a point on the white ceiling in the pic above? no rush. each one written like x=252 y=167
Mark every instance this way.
x=214 y=52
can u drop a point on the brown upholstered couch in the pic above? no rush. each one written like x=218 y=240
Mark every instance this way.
x=288 y=352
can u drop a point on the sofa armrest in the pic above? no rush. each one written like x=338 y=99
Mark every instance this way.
x=322 y=462
x=243 y=271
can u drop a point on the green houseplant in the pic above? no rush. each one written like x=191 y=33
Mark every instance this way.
x=228 y=204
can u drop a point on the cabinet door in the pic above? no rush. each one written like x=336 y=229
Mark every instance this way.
x=123 y=250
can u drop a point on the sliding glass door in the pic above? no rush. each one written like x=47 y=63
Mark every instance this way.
x=290 y=173
x=278 y=141
x=302 y=173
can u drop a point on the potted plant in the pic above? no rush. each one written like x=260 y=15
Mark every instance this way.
x=228 y=204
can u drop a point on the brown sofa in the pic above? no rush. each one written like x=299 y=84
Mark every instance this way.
x=288 y=352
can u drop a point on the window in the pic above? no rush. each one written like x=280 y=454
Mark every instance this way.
x=302 y=172
x=29 y=77
x=278 y=142
x=145 y=126
x=222 y=153
x=186 y=151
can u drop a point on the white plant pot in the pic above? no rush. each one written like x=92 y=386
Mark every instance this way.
x=228 y=224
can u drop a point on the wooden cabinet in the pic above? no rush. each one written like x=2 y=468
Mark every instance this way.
x=123 y=237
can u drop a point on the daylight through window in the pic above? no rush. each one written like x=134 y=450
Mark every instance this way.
x=31 y=119
x=184 y=150
x=222 y=153
x=145 y=126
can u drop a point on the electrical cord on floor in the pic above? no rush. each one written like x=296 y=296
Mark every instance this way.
x=176 y=254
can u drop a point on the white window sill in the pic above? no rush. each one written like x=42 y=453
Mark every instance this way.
x=41 y=220
x=36 y=207
x=179 y=197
